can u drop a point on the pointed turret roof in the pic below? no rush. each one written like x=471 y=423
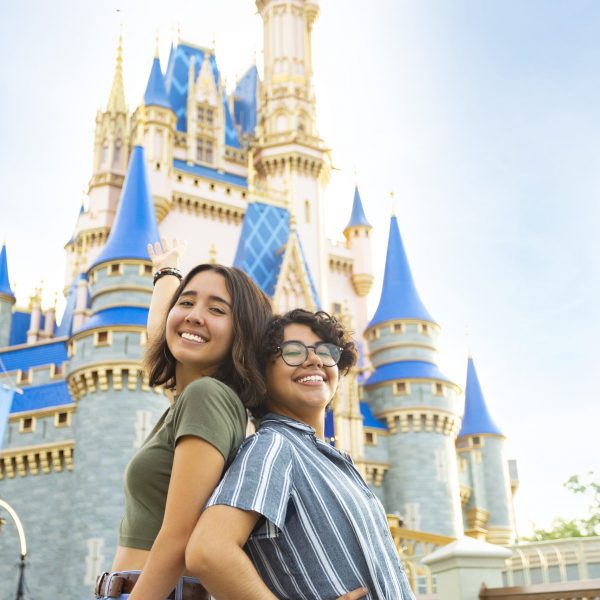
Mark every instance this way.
x=116 y=100
x=66 y=323
x=477 y=419
x=156 y=91
x=4 y=282
x=399 y=296
x=358 y=217
x=135 y=222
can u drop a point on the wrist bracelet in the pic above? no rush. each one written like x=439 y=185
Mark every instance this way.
x=167 y=271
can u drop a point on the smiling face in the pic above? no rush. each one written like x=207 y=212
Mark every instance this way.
x=199 y=330
x=301 y=392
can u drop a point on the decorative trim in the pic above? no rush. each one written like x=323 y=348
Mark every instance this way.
x=209 y=209
x=417 y=419
x=33 y=459
x=105 y=376
x=375 y=472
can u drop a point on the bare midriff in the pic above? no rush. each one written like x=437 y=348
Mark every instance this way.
x=131 y=559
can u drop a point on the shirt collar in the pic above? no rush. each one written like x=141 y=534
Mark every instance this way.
x=287 y=421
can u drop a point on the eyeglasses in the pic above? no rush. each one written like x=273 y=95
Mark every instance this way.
x=294 y=353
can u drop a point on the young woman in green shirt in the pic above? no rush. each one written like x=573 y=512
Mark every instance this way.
x=204 y=339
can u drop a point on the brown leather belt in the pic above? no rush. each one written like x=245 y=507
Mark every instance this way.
x=123 y=583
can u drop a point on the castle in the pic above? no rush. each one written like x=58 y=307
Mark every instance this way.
x=239 y=176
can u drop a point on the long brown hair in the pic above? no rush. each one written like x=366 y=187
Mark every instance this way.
x=251 y=311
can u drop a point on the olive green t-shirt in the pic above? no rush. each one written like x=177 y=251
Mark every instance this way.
x=207 y=409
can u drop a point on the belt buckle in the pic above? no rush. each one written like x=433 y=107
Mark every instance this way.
x=99 y=583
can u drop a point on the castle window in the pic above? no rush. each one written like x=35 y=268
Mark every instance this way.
x=200 y=114
x=62 y=419
x=117 y=153
x=439 y=389
x=179 y=177
x=400 y=387
x=398 y=328
x=199 y=149
x=114 y=269
x=424 y=329
x=195 y=182
x=243 y=194
x=209 y=116
x=370 y=438
x=102 y=338
x=373 y=334
x=477 y=441
x=212 y=187
x=27 y=425
x=23 y=377
x=208 y=155
x=146 y=270
x=56 y=370
x=228 y=191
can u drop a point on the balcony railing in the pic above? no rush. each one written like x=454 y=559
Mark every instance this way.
x=574 y=590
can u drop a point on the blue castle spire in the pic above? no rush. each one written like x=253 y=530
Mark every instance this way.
x=135 y=222
x=156 y=91
x=4 y=282
x=477 y=419
x=358 y=217
x=399 y=296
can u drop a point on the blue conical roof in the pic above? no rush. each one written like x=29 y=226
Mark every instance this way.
x=4 y=282
x=477 y=419
x=135 y=225
x=156 y=91
x=358 y=217
x=399 y=296
x=65 y=328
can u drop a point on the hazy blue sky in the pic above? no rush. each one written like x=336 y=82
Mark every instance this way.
x=483 y=117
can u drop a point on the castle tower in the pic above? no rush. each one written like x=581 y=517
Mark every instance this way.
x=418 y=403
x=289 y=155
x=111 y=154
x=357 y=234
x=480 y=446
x=7 y=299
x=105 y=376
x=153 y=125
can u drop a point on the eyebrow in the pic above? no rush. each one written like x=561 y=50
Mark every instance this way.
x=211 y=298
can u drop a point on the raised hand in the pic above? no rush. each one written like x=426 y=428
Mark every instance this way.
x=163 y=255
x=355 y=594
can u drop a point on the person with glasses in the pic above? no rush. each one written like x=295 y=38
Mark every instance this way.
x=292 y=517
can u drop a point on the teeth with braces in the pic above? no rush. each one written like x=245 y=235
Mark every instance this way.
x=310 y=378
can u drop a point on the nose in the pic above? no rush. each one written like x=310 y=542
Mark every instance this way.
x=195 y=316
x=312 y=358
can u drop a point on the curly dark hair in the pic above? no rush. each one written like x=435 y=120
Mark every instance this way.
x=241 y=370
x=327 y=327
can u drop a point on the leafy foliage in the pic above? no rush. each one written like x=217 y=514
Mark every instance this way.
x=588 y=526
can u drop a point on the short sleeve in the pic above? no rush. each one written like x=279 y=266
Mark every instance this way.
x=212 y=411
x=260 y=478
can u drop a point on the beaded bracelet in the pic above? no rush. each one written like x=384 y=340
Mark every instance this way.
x=167 y=271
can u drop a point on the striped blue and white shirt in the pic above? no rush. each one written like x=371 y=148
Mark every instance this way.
x=324 y=533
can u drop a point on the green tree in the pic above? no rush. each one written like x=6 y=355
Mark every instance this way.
x=588 y=526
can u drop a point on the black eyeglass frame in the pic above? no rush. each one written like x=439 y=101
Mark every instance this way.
x=279 y=350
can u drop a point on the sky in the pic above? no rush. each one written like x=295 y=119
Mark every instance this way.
x=482 y=116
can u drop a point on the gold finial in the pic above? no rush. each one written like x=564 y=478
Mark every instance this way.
x=254 y=56
x=55 y=301
x=156 y=52
x=212 y=253
x=392 y=194
x=178 y=33
x=116 y=100
x=214 y=43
